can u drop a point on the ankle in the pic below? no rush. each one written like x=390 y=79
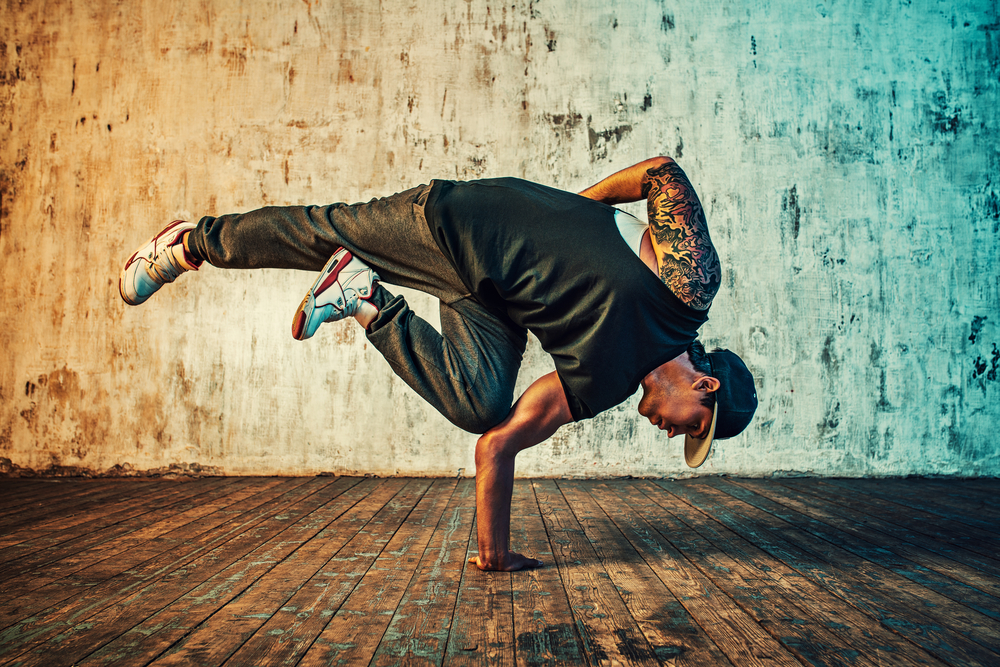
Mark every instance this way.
x=183 y=255
x=367 y=312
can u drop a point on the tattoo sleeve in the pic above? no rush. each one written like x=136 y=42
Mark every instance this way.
x=689 y=265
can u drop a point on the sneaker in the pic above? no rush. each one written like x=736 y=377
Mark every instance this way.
x=342 y=285
x=155 y=264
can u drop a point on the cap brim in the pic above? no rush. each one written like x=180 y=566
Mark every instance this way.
x=696 y=449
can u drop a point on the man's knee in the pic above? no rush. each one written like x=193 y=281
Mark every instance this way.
x=481 y=418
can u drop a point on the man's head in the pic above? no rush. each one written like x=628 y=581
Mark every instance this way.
x=704 y=396
x=679 y=396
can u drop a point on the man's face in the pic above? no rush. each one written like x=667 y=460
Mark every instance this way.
x=673 y=404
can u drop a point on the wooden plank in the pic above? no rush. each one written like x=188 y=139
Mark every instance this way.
x=921 y=509
x=62 y=527
x=124 y=548
x=354 y=632
x=91 y=535
x=920 y=550
x=65 y=492
x=57 y=517
x=543 y=625
x=896 y=602
x=418 y=632
x=219 y=635
x=976 y=497
x=950 y=598
x=829 y=527
x=889 y=521
x=669 y=629
x=103 y=581
x=806 y=566
x=819 y=626
x=18 y=495
x=968 y=494
x=606 y=628
x=483 y=626
x=89 y=495
x=130 y=596
x=737 y=635
x=180 y=608
x=337 y=558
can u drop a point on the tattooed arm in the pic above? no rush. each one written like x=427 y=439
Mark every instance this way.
x=688 y=263
x=685 y=256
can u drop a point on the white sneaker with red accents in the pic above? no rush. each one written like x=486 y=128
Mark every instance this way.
x=343 y=284
x=157 y=262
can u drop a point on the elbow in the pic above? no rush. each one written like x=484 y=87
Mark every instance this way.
x=491 y=449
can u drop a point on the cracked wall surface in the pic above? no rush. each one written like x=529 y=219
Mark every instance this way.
x=846 y=154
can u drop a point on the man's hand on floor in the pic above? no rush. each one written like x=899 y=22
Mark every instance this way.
x=513 y=563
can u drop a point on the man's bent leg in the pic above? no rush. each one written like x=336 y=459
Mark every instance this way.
x=467 y=372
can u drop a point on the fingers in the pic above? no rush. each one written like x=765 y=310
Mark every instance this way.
x=515 y=563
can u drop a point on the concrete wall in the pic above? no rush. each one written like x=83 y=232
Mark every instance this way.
x=846 y=154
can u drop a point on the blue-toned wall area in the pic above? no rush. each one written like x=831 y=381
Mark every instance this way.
x=847 y=155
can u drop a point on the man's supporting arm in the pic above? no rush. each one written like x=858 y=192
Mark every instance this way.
x=540 y=411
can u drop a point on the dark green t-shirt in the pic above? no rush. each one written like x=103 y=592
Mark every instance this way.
x=556 y=264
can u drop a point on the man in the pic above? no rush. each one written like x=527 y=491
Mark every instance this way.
x=615 y=303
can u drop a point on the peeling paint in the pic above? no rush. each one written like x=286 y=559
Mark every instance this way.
x=851 y=191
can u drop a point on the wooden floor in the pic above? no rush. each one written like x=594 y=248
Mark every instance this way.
x=323 y=570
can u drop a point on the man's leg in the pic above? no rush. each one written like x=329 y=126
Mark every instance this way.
x=467 y=372
x=389 y=234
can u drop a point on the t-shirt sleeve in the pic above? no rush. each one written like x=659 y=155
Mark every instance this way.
x=576 y=407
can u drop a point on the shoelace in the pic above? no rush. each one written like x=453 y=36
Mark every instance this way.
x=352 y=297
x=163 y=267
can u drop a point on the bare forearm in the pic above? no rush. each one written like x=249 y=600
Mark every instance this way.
x=540 y=411
x=624 y=186
x=494 y=486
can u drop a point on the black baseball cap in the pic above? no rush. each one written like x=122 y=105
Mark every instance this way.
x=735 y=403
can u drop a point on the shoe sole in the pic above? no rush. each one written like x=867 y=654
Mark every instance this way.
x=329 y=276
x=121 y=276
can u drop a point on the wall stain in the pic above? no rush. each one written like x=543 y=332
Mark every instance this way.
x=601 y=140
x=952 y=398
x=980 y=366
x=943 y=117
x=9 y=469
x=563 y=124
x=791 y=212
x=236 y=60
x=976 y=327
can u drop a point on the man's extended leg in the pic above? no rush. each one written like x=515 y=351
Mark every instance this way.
x=389 y=234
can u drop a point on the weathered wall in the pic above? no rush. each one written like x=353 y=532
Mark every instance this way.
x=846 y=153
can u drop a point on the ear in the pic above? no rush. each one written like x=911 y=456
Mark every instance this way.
x=706 y=383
